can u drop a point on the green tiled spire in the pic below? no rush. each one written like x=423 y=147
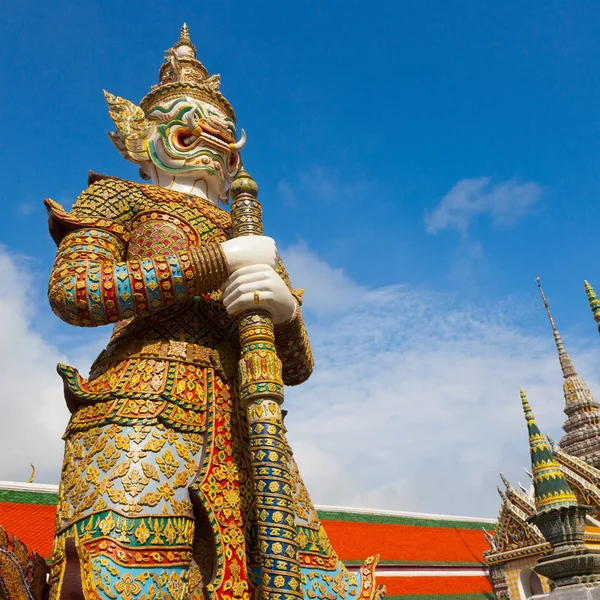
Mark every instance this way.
x=551 y=488
x=594 y=302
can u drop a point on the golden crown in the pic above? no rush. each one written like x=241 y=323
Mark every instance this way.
x=183 y=74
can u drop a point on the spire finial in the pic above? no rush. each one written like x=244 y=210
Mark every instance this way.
x=594 y=302
x=551 y=488
x=526 y=408
x=566 y=364
x=184 y=35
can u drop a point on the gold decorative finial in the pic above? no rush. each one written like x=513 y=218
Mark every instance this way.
x=32 y=474
x=185 y=40
x=566 y=364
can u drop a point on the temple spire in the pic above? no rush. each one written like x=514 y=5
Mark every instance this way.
x=594 y=302
x=582 y=429
x=566 y=364
x=551 y=488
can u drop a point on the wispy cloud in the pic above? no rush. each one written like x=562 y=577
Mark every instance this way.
x=505 y=202
x=24 y=209
x=325 y=185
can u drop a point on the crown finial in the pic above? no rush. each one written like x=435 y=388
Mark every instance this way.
x=594 y=302
x=184 y=44
x=182 y=74
x=551 y=487
x=566 y=364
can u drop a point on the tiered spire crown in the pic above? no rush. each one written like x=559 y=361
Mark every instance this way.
x=551 y=488
x=182 y=74
x=566 y=364
x=594 y=302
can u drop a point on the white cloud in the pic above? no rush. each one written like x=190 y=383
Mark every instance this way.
x=414 y=402
x=32 y=407
x=413 y=405
x=326 y=289
x=505 y=202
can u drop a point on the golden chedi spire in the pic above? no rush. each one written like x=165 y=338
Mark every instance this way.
x=582 y=427
x=182 y=74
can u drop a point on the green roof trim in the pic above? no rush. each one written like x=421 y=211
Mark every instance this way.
x=26 y=497
x=330 y=515
x=481 y=596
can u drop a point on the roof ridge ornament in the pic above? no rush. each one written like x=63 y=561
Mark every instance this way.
x=505 y=481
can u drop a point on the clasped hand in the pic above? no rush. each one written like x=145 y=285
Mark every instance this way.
x=254 y=283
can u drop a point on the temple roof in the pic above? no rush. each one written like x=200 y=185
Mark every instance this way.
x=421 y=554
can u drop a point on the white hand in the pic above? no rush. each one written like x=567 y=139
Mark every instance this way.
x=274 y=296
x=250 y=250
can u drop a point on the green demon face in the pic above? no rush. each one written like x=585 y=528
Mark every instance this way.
x=192 y=135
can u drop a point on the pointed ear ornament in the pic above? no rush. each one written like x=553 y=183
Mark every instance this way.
x=133 y=129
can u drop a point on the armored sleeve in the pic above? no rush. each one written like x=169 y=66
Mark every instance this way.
x=93 y=284
x=291 y=340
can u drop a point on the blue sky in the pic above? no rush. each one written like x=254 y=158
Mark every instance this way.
x=446 y=148
x=392 y=103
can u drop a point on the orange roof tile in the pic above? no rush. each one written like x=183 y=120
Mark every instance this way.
x=406 y=543
x=33 y=524
x=426 y=586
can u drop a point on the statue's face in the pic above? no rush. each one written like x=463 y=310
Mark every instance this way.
x=193 y=139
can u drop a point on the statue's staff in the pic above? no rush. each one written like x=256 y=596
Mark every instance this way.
x=261 y=394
